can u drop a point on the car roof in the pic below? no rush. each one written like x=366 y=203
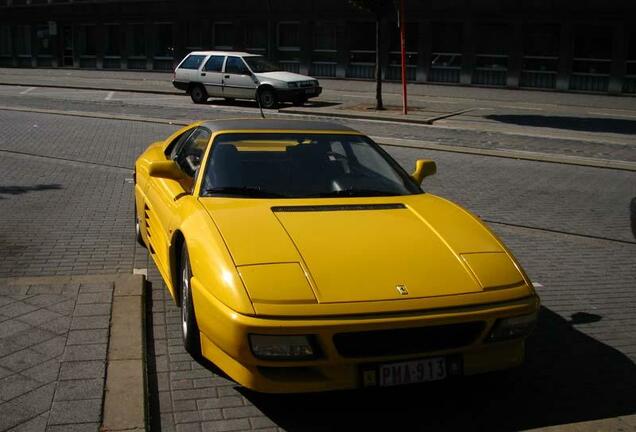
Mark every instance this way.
x=237 y=53
x=268 y=125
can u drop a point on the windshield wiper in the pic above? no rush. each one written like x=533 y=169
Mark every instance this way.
x=355 y=193
x=242 y=191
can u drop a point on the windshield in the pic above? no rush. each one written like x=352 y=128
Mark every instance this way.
x=280 y=165
x=260 y=64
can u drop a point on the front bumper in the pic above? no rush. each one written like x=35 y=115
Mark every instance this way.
x=224 y=341
x=293 y=94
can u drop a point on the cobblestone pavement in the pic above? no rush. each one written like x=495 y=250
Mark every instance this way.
x=591 y=141
x=569 y=226
x=53 y=344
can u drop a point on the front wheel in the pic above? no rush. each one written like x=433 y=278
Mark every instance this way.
x=268 y=98
x=189 y=327
x=198 y=94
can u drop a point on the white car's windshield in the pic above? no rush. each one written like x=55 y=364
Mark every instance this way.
x=260 y=64
x=297 y=165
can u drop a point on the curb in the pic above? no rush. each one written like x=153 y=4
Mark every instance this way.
x=125 y=390
x=390 y=142
x=426 y=121
x=159 y=92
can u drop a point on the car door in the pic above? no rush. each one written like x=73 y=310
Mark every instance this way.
x=165 y=195
x=238 y=81
x=212 y=76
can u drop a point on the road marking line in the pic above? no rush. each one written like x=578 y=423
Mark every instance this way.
x=110 y=95
x=27 y=91
x=140 y=271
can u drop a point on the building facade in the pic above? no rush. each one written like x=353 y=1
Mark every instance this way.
x=584 y=45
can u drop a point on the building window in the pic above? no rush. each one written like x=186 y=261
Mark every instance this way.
x=540 y=55
x=395 y=53
x=592 y=58
x=223 y=35
x=137 y=40
x=491 y=59
x=256 y=37
x=87 y=40
x=112 y=41
x=5 y=40
x=325 y=36
x=324 y=58
x=631 y=54
x=362 y=42
x=446 y=55
x=164 y=40
x=194 y=36
x=43 y=39
x=288 y=37
x=23 y=40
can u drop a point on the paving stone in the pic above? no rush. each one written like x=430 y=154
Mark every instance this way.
x=12 y=326
x=85 y=337
x=78 y=411
x=43 y=300
x=90 y=322
x=72 y=370
x=16 y=385
x=92 y=309
x=226 y=425
x=52 y=348
x=83 y=427
x=85 y=352
x=45 y=372
x=240 y=412
x=94 y=297
x=26 y=406
x=80 y=389
x=38 y=317
x=37 y=424
x=220 y=402
x=16 y=309
x=23 y=359
x=64 y=308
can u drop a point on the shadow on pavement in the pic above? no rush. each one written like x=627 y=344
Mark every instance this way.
x=19 y=190
x=584 y=124
x=253 y=104
x=568 y=377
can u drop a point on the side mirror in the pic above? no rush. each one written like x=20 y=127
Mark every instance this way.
x=165 y=169
x=423 y=168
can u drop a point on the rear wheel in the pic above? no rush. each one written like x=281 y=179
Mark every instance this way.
x=268 y=98
x=198 y=94
x=189 y=327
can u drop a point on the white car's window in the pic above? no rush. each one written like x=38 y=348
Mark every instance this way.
x=214 y=64
x=235 y=65
x=192 y=62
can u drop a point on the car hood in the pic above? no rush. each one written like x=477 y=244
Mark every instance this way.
x=364 y=250
x=283 y=76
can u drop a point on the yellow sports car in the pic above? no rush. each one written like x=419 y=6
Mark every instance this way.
x=304 y=258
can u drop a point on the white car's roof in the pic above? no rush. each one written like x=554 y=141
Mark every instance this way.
x=236 y=53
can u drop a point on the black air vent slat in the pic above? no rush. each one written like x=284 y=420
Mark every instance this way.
x=337 y=207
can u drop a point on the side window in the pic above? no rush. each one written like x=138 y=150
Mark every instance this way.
x=235 y=65
x=191 y=152
x=214 y=64
x=192 y=62
x=171 y=149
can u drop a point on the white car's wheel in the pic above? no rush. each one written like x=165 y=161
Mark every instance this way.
x=198 y=94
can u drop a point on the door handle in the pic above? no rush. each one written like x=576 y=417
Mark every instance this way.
x=202 y=73
x=227 y=76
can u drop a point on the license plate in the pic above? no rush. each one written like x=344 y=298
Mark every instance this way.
x=408 y=372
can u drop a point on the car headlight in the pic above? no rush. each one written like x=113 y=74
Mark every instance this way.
x=292 y=84
x=283 y=347
x=513 y=328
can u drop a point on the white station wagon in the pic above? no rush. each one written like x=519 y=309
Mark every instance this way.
x=237 y=75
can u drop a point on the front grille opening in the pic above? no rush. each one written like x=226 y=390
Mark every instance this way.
x=292 y=373
x=407 y=341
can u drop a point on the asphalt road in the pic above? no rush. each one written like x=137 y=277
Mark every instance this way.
x=66 y=208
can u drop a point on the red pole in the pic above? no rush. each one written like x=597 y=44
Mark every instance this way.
x=403 y=52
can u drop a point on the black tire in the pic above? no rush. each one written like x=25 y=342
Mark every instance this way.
x=198 y=94
x=189 y=327
x=268 y=98
x=138 y=235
